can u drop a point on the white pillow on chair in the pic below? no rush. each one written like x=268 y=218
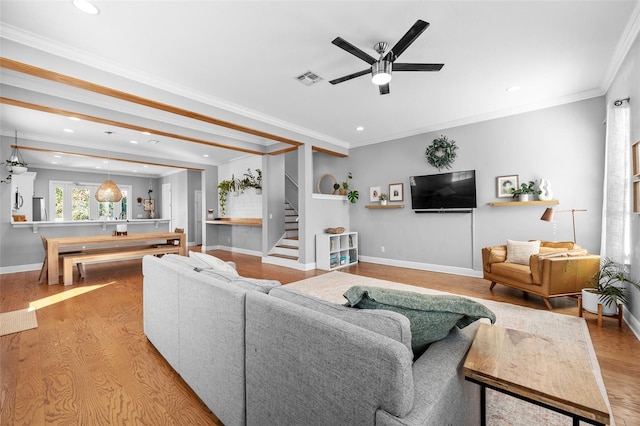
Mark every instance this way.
x=520 y=251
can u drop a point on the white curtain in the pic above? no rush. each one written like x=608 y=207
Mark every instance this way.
x=616 y=206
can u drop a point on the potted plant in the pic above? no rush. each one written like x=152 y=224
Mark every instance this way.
x=525 y=192
x=384 y=198
x=608 y=287
x=352 y=195
x=224 y=187
x=252 y=181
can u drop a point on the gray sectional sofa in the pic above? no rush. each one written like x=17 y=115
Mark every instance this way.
x=258 y=353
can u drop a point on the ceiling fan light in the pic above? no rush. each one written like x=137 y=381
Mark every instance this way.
x=381 y=73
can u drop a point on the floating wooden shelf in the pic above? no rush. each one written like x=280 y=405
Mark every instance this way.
x=388 y=206
x=246 y=221
x=522 y=203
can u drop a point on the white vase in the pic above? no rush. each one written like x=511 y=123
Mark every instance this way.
x=590 y=302
x=546 y=193
x=383 y=202
x=524 y=197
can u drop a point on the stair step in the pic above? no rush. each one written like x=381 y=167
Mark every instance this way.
x=295 y=237
x=287 y=246
x=283 y=256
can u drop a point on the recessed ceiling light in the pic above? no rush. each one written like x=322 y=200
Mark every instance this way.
x=105 y=162
x=54 y=162
x=206 y=155
x=68 y=130
x=153 y=142
x=133 y=141
x=74 y=118
x=145 y=166
x=57 y=156
x=359 y=128
x=86 y=7
x=513 y=88
x=98 y=167
x=146 y=133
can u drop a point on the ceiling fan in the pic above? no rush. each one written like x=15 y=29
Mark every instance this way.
x=381 y=68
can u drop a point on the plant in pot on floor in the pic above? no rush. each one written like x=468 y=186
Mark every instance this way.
x=608 y=287
x=526 y=192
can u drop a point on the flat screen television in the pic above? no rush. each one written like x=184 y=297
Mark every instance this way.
x=455 y=190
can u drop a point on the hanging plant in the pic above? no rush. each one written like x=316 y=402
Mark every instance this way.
x=441 y=153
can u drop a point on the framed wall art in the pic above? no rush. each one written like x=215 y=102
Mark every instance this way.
x=504 y=184
x=374 y=193
x=396 y=192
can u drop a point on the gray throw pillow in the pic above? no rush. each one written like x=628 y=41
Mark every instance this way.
x=431 y=316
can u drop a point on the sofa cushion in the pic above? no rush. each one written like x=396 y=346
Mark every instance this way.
x=387 y=323
x=513 y=271
x=431 y=316
x=520 y=251
x=212 y=262
x=567 y=245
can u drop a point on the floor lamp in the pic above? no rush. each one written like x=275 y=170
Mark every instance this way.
x=549 y=213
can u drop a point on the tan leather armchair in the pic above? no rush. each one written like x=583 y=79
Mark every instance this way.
x=560 y=269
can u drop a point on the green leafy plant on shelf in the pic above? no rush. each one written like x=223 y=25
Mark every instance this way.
x=343 y=189
x=525 y=189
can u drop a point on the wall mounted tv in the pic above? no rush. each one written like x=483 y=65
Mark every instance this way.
x=455 y=190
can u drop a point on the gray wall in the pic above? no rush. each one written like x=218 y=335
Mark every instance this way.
x=564 y=144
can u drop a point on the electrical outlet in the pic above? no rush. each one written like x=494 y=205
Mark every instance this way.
x=382 y=249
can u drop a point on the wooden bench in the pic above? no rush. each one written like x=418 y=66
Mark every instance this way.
x=111 y=253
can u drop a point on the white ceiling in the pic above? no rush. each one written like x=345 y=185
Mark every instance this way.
x=237 y=61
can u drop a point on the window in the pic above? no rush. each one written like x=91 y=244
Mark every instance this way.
x=73 y=201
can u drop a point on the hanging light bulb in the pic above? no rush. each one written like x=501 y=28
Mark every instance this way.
x=108 y=191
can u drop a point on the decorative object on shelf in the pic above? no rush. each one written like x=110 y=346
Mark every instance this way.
x=441 y=153
x=352 y=195
x=121 y=229
x=327 y=177
x=384 y=198
x=338 y=230
x=396 y=192
x=526 y=192
x=504 y=185
x=15 y=165
x=139 y=200
x=374 y=193
x=108 y=191
x=549 y=214
x=608 y=287
x=546 y=193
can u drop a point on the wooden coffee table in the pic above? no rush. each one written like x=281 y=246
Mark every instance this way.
x=553 y=374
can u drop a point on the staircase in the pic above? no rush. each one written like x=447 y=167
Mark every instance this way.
x=287 y=249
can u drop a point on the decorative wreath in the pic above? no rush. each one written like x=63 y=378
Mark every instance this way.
x=441 y=152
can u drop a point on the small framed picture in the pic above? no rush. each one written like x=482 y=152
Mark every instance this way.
x=374 y=193
x=504 y=185
x=396 y=192
x=149 y=205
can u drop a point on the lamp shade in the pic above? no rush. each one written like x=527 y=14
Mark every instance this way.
x=108 y=192
x=548 y=214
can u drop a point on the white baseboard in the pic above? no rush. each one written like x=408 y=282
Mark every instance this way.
x=633 y=323
x=467 y=272
x=20 y=268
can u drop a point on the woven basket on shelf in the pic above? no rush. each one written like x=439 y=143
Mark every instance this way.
x=339 y=230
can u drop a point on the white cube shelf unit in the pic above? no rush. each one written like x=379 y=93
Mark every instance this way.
x=335 y=251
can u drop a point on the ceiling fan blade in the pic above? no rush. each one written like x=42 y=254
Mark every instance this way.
x=406 y=40
x=417 y=67
x=350 y=76
x=345 y=45
x=384 y=89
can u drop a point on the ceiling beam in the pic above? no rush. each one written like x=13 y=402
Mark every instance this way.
x=103 y=157
x=103 y=90
x=94 y=119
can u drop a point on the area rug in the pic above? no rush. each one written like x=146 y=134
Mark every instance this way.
x=501 y=409
x=16 y=321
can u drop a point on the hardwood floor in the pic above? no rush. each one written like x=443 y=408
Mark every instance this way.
x=88 y=362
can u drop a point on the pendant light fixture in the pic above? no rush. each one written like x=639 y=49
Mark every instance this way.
x=16 y=163
x=108 y=191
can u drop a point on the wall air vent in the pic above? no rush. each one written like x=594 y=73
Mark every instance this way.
x=309 y=78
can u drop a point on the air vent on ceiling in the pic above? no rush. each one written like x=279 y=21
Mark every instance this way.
x=309 y=78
